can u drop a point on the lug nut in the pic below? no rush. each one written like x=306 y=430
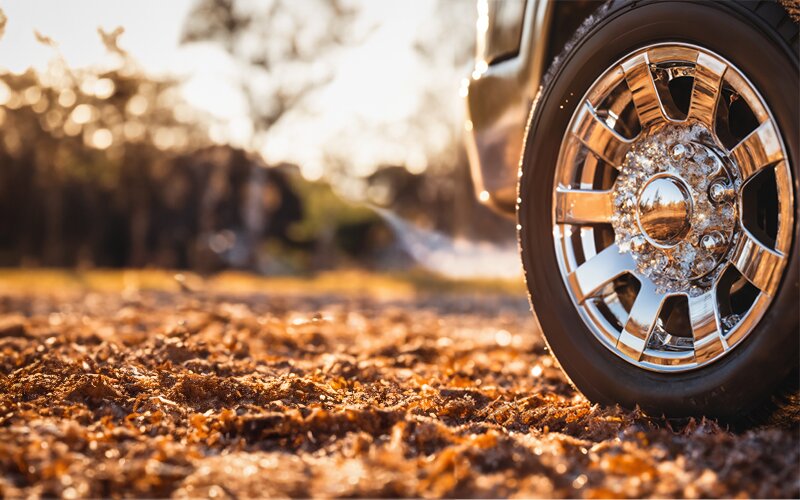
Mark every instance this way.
x=678 y=151
x=704 y=265
x=720 y=191
x=713 y=241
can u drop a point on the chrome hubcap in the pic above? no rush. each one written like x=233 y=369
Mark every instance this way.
x=664 y=209
x=669 y=257
x=663 y=212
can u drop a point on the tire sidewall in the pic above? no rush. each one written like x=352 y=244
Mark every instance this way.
x=749 y=373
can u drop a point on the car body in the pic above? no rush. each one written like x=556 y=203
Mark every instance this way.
x=516 y=42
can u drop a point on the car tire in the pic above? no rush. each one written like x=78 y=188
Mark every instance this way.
x=759 y=40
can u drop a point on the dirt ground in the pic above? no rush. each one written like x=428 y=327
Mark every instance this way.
x=263 y=393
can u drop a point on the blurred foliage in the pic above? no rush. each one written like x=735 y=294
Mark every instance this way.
x=324 y=205
x=80 y=151
x=332 y=232
x=110 y=167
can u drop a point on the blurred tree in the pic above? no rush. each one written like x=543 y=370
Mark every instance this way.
x=76 y=146
x=3 y=20
x=282 y=49
x=279 y=45
x=109 y=166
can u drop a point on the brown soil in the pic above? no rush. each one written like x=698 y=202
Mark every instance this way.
x=205 y=394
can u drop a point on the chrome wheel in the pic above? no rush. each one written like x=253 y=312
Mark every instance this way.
x=673 y=207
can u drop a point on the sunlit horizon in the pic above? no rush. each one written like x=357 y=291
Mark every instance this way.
x=361 y=115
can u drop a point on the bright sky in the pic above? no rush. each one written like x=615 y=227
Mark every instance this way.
x=362 y=113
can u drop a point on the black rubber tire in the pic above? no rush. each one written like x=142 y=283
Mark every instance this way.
x=754 y=37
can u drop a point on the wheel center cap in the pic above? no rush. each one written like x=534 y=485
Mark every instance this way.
x=664 y=209
x=668 y=214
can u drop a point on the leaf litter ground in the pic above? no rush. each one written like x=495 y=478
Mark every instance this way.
x=440 y=393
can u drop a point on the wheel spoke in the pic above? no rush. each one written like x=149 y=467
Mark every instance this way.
x=759 y=264
x=601 y=139
x=590 y=276
x=575 y=206
x=785 y=209
x=759 y=149
x=643 y=89
x=704 y=316
x=641 y=321
x=705 y=93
